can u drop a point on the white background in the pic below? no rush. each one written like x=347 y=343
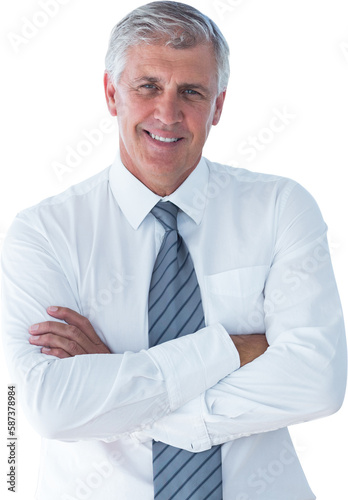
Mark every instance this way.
x=286 y=57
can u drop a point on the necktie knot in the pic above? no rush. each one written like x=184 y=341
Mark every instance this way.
x=166 y=213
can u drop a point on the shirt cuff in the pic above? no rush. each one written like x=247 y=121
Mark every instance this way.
x=192 y=364
x=184 y=428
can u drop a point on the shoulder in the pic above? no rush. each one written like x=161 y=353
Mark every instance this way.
x=279 y=192
x=84 y=192
x=242 y=175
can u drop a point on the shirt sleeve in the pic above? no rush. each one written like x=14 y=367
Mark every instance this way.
x=302 y=375
x=98 y=396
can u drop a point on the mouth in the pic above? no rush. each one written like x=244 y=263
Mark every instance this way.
x=163 y=139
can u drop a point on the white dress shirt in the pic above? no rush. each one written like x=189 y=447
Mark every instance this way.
x=258 y=243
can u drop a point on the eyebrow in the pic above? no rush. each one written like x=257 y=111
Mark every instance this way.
x=150 y=79
x=186 y=85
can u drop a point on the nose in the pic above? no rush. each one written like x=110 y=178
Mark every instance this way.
x=168 y=109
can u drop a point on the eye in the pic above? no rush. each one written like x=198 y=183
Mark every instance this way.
x=193 y=95
x=149 y=86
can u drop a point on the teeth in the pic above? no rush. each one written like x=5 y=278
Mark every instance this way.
x=162 y=139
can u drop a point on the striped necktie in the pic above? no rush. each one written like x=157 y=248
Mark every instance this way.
x=175 y=309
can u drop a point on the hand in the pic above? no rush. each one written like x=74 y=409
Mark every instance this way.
x=64 y=340
x=250 y=347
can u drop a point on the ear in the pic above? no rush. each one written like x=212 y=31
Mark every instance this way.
x=110 y=94
x=219 y=104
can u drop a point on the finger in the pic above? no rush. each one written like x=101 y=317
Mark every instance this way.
x=52 y=341
x=58 y=353
x=62 y=331
x=48 y=326
x=74 y=318
x=69 y=332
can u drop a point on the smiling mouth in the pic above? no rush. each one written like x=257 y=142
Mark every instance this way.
x=163 y=139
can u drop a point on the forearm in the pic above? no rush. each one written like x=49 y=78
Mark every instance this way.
x=266 y=394
x=277 y=391
x=97 y=396
x=103 y=396
x=301 y=376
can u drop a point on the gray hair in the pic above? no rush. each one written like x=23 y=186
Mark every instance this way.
x=173 y=24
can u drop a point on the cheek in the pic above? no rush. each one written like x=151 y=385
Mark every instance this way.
x=140 y=108
x=127 y=108
x=201 y=133
x=201 y=124
x=127 y=122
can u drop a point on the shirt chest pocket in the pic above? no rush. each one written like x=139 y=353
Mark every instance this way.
x=235 y=299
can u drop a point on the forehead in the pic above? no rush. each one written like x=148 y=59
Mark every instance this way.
x=160 y=61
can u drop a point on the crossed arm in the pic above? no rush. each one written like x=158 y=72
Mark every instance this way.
x=300 y=376
x=78 y=337
x=267 y=396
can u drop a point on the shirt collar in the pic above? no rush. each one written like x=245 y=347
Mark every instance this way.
x=136 y=200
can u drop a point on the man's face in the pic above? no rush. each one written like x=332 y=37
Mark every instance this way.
x=166 y=102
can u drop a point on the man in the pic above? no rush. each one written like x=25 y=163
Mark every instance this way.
x=270 y=350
